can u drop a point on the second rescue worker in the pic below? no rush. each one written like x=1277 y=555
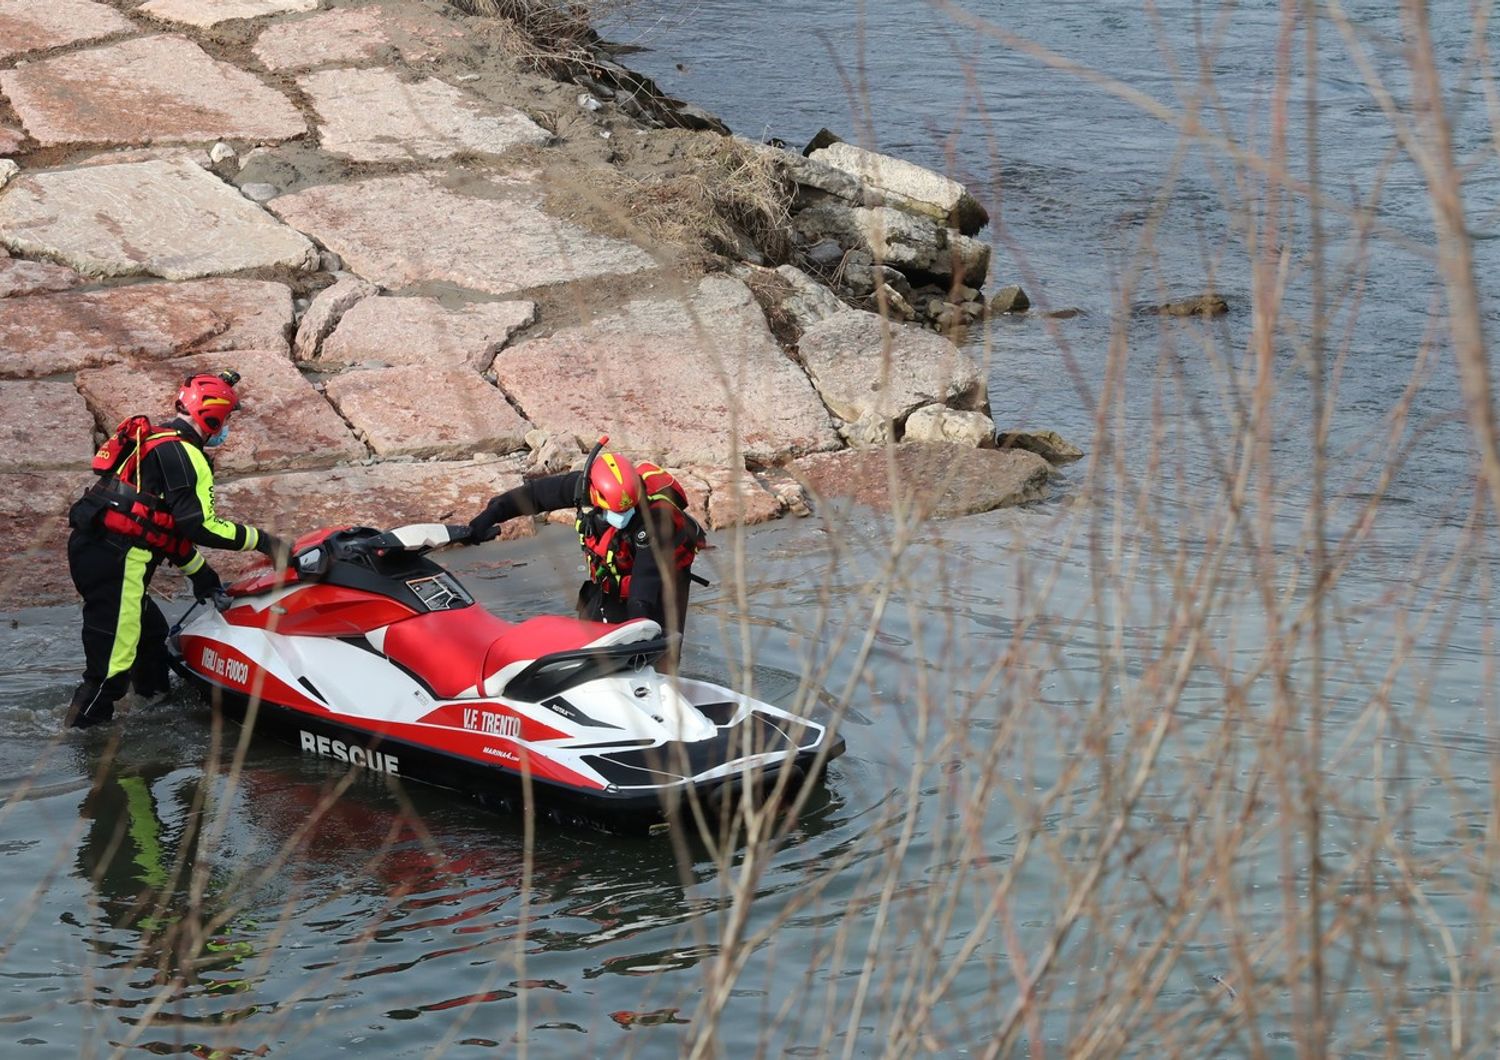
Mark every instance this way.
x=154 y=500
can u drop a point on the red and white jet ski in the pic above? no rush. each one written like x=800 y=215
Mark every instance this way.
x=366 y=651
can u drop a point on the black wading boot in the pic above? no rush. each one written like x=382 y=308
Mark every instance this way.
x=89 y=707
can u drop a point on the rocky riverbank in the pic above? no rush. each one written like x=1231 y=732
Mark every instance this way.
x=445 y=252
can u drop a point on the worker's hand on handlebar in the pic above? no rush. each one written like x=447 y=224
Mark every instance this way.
x=206 y=582
x=276 y=549
x=480 y=530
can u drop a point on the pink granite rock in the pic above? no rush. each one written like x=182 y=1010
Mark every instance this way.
x=168 y=219
x=692 y=378
x=375 y=116
x=46 y=333
x=737 y=498
x=382 y=495
x=205 y=13
x=328 y=307
x=427 y=227
x=282 y=421
x=11 y=140
x=34 y=524
x=420 y=331
x=19 y=277
x=44 y=425
x=871 y=372
x=355 y=36
x=448 y=412
x=938 y=479
x=146 y=90
x=35 y=25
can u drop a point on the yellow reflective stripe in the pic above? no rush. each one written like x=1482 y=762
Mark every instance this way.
x=128 y=621
x=145 y=829
x=204 y=477
x=252 y=538
x=194 y=564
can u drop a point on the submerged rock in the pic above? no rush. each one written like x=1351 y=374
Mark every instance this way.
x=1048 y=444
x=1200 y=305
x=1010 y=299
x=933 y=479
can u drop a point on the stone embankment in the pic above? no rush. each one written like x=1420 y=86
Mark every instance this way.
x=426 y=258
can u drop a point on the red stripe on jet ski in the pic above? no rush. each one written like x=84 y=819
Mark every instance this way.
x=321 y=611
x=222 y=665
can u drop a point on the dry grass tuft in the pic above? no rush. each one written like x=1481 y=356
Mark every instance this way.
x=726 y=198
x=552 y=36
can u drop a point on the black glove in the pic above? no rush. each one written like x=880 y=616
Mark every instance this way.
x=480 y=531
x=206 y=583
x=274 y=547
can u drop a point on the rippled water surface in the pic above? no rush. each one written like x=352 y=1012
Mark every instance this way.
x=343 y=917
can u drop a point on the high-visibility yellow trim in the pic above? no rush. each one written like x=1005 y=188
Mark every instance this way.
x=128 y=621
x=194 y=564
x=252 y=538
x=145 y=830
x=204 y=477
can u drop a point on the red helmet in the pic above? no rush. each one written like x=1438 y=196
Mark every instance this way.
x=208 y=400
x=613 y=483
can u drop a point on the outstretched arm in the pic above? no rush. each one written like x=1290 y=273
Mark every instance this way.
x=547 y=494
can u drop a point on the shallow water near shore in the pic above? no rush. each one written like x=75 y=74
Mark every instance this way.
x=410 y=923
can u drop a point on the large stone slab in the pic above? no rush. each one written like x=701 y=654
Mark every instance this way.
x=421 y=331
x=936 y=479
x=44 y=425
x=872 y=372
x=35 y=25
x=375 y=116
x=383 y=495
x=676 y=379
x=206 y=13
x=328 y=307
x=486 y=233
x=44 y=334
x=168 y=219
x=449 y=412
x=908 y=186
x=146 y=90
x=19 y=277
x=355 y=36
x=282 y=422
x=34 y=525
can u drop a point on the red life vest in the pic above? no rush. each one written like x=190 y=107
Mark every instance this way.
x=124 y=508
x=610 y=553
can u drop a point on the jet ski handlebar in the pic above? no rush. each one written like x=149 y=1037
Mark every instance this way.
x=418 y=538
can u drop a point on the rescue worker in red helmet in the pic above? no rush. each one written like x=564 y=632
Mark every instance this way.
x=153 y=500
x=638 y=540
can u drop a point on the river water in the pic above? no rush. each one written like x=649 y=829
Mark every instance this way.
x=1048 y=771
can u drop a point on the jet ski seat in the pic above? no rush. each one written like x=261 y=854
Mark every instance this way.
x=468 y=653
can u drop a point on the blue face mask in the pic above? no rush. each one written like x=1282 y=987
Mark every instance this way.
x=618 y=519
x=219 y=438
